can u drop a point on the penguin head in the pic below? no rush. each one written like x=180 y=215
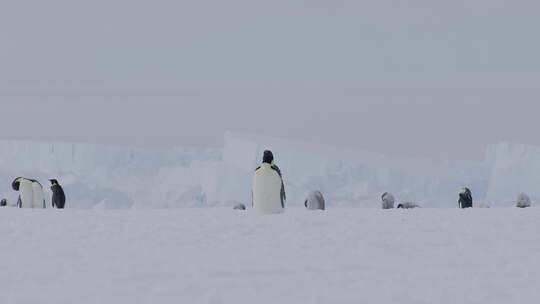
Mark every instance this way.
x=400 y=206
x=268 y=157
x=53 y=182
x=16 y=184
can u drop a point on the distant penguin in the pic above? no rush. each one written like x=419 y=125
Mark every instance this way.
x=239 y=207
x=268 y=191
x=407 y=205
x=465 y=198
x=387 y=200
x=30 y=193
x=315 y=201
x=58 y=198
x=523 y=201
x=3 y=203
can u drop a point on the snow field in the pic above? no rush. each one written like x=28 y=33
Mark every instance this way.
x=218 y=255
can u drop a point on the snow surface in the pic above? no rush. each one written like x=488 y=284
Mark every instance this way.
x=97 y=176
x=219 y=255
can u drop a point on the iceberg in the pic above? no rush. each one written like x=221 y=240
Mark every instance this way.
x=346 y=177
x=515 y=168
x=100 y=176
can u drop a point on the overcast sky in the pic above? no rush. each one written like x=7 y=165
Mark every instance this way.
x=440 y=79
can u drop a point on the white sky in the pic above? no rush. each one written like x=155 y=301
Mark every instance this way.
x=421 y=78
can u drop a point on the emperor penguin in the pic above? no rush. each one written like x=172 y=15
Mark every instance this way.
x=30 y=193
x=465 y=198
x=407 y=205
x=268 y=190
x=239 y=207
x=315 y=201
x=523 y=201
x=58 y=198
x=3 y=203
x=388 y=200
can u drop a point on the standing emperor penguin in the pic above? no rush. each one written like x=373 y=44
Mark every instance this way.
x=315 y=201
x=465 y=198
x=58 y=197
x=388 y=200
x=30 y=193
x=268 y=192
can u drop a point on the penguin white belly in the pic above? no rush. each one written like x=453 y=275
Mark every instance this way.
x=315 y=201
x=38 y=196
x=388 y=201
x=267 y=191
x=27 y=193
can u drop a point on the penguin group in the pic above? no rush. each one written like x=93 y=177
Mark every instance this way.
x=465 y=201
x=268 y=193
x=268 y=190
x=31 y=194
x=388 y=202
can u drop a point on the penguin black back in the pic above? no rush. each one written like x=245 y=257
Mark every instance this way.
x=58 y=195
x=465 y=198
